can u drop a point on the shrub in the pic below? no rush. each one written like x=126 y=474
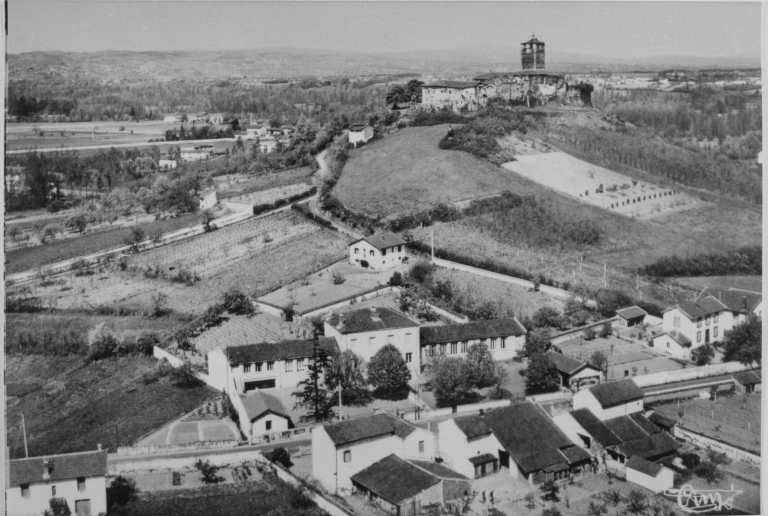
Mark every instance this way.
x=208 y=470
x=185 y=276
x=121 y=491
x=637 y=502
x=101 y=343
x=279 y=455
x=421 y=272
x=338 y=278
x=396 y=280
x=236 y=302
x=606 y=330
x=589 y=333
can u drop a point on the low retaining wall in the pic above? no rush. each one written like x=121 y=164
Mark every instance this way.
x=448 y=314
x=160 y=354
x=363 y=296
x=127 y=451
x=236 y=206
x=461 y=409
x=268 y=308
x=236 y=456
x=550 y=397
x=707 y=442
x=576 y=333
x=689 y=373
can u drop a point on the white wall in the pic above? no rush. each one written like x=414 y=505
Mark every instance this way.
x=695 y=331
x=208 y=202
x=666 y=344
x=324 y=459
x=218 y=366
x=368 y=343
x=259 y=426
x=511 y=345
x=361 y=136
x=456 y=450
x=378 y=260
x=41 y=493
x=585 y=399
x=664 y=480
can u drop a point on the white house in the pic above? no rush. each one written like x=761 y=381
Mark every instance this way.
x=79 y=479
x=267 y=145
x=265 y=365
x=469 y=446
x=611 y=399
x=574 y=374
x=702 y=321
x=740 y=302
x=196 y=153
x=360 y=133
x=342 y=449
x=367 y=330
x=673 y=343
x=377 y=252
x=504 y=337
x=649 y=475
x=264 y=414
x=171 y=119
x=167 y=164
x=208 y=199
x=216 y=118
x=748 y=381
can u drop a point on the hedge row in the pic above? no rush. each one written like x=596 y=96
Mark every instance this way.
x=263 y=208
x=745 y=260
x=307 y=212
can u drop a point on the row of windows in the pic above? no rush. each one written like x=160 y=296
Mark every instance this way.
x=461 y=347
x=708 y=320
x=383 y=251
x=698 y=334
x=25 y=488
x=258 y=366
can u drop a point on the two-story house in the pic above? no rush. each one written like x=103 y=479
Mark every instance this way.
x=265 y=365
x=360 y=133
x=367 y=330
x=504 y=337
x=469 y=446
x=340 y=450
x=740 y=302
x=77 y=480
x=377 y=252
x=691 y=324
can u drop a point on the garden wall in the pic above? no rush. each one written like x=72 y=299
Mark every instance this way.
x=707 y=442
x=127 y=451
x=160 y=354
x=460 y=409
x=154 y=462
x=576 y=333
x=690 y=373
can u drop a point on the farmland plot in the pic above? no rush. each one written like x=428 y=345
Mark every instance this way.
x=582 y=180
x=271 y=195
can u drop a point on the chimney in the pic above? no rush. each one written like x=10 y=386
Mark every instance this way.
x=98 y=446
x=47 y=468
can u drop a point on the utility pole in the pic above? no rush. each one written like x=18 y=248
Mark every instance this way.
x=24 y=430
x=432 y=237
x=117 y=432
x=605 y=275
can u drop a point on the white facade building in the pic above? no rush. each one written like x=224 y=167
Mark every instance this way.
x=360 y=133
x=468 y=446
x=367 y=330
x=649 y=475
x=611 y=399
x=453 y=95
x=342 y=449
x=378 y=252
x=264 y=414
x=197 y=153
x=167 y=164
x=691 y=324
x=79 y=479
x=208 y=199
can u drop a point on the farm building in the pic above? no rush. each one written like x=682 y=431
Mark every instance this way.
x=360 y=133
x=611 y=399
x=215 y=118
x=748 y=381
x=267 y=145
x=367 y=330
x=740 y=302
x=167 y=164
x=264 y=413
x=196 y=153
x=342 y=449
x=664 y=423
x=208 y=199
x=406 y=487
x=632 y=316
x=469 y=446
x=378 y=252
x=574 y=374
x=504 y=337
x=454 y=95
x=265 y=365
x=673 y=343
x=649 y=475
x=78 y=479
x=257 y=129
x=402 y=108
x=172 y=119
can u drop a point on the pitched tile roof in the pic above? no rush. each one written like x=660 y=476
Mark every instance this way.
x=565 y=364
x=650 y=447
x=610 y=394
x=472 y=426
x=644 y=466
x=596 y=428
x=394 y=479
x=680 y=338
x=701 y=307
x=662 y=421
x=353 y=430
x=371 y=319
x=575 y=454
x=284 y=350
x=65 y=467
x=382 y=241
x=357 y=127
x=260 y=403
x=529 y=434
x=518 y=73
x=438 y=470
x=472 y=330
x=625 y=428
x=733 y=298
x=482 y=459
x=749 y=377
x=452 y=84
x=491 y=75
x=644 y=423
x=631 y=312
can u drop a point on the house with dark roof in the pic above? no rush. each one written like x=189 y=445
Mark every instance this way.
x=408 y=486
x=748 y=381
x=340 y=450
x=469 y=446
x=532 y=445
x=632 y=316
x=360 y=133
x=377 y=252
x=79 y=479
x=367 y=330
x=574 y=374
x=265 y=365
x=740 y=302
x=610 y=399
x=263 y=413
x=650 y=475
x=664 y=423
x=690 y=324
x=504 y=337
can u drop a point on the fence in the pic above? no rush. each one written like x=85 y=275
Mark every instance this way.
x=127 y=451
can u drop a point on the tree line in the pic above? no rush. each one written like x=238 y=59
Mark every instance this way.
x=745 y=260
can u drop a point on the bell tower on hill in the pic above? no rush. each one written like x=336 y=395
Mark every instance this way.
x=532 y=54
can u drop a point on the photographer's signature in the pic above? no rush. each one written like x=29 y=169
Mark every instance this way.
x=693 y=501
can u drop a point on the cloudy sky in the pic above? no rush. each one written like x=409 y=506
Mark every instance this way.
x=621 y=29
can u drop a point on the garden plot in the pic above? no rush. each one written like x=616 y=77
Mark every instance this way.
x=271 y=195
x=582 y=180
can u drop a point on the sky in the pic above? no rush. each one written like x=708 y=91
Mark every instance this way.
x=610 y=29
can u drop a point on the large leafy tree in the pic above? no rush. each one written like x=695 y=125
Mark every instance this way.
x=347 y=368
x=313 y=394
x=451 y=379
x=536 y=342
x=743 y=342
x=387 y=371
x=482 y=367
x=541 y=375
x=410 y=92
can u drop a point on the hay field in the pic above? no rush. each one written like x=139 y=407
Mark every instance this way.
x=581 y=180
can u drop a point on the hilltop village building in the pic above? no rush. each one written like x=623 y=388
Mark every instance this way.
x=378 y=252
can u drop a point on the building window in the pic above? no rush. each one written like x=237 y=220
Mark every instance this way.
x=677 y=322
x=371 y=252
x=716 y=316
x=347 y=455
x=269 y=425
x=421 y=446
x=356 y=250
x=698 y=336
x=53 y=490
x=708 y=320
x=383 y=252
x=81 y=484
x=300 y=364
x=270 y=366
x=400 y=249
x=258 y=367
x=288 y=366
x=454 y=347
x=667 y=344
x=25 y=490
x=503 y=342
x=464 y=347
x=698 y=322
x=715 y=332
x=443 y=349
x=626 y=373
x=408 y=357
x=493 y=343
x=246 y=368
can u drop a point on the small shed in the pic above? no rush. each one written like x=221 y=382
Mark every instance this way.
x=574 y=373
x=208 y=199
x=632 y=316
x=748 y=381
x=664 y=423
x=360 y=133
x=650 y=475
x=265 y=413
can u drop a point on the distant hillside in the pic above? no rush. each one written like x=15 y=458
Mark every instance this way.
x=292 y=63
